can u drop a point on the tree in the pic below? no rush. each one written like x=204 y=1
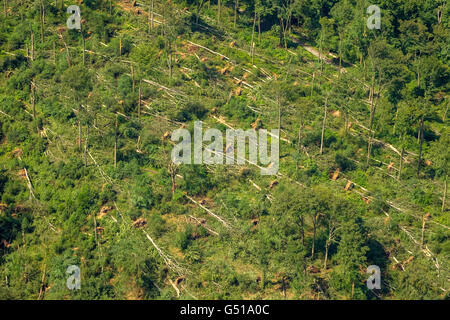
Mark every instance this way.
x=342 y=14
x=441 y=155
x=351 y=257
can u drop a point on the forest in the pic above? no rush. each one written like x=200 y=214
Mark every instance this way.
x=358 y=89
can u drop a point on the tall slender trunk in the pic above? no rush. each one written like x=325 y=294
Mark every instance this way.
x=401 y=164
x=219 y=4
x=32 y=44
x=444 y=196
x=170 y=58
x=140 y=96
x=253 y=40
x=84 y=48
x=199 y=8
x=424 y=222
x=320 y=52
x=42 y=18
x=327 y=247
x=115 y=141
x=323 y=125
x=302 y=230
x=151 y=15
x=300 y=132
x=372 y=117
x=259 y=28
x=420 y=145
x=236 y=5
x=444 y=117
x=279 y=112
x=85 y=146
x=281 y=33
x=33 y=99
x=133 y=86
x=340 y=54
x=315 y=218
x=79 y=130
x=54 y=52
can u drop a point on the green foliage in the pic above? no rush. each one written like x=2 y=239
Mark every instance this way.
x=86 y=176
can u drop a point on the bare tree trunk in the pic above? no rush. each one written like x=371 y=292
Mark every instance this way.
x=300 y=132
x=320 y=52
x=327 y=247
x=54 y=52
x=323 y=125
x=140 y=96
x=170 y=59
x=85 y=147
x=84 y=48
x=424 y=221
x=199 y=8
x=259 y=28
x=151 y=15
x=32 y=44
x=41 y=288
x=33 y=98
x=253 y=40
x=315 y=218
x=401 y=164
x=79 y=130
x=302 y=230
x=340 y=54
x=444 y=196
x=420 y=145
x=115 y=141
x=42 y=13
x=444 y=117
x=279 y=113
x=236 y=5
x=219 y=4
x=372 y=117
x=132 y=78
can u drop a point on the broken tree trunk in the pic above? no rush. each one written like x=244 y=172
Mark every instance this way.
x=226 y=224
x=30 y=186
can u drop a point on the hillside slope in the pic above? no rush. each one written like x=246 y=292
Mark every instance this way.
x=86 y=176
